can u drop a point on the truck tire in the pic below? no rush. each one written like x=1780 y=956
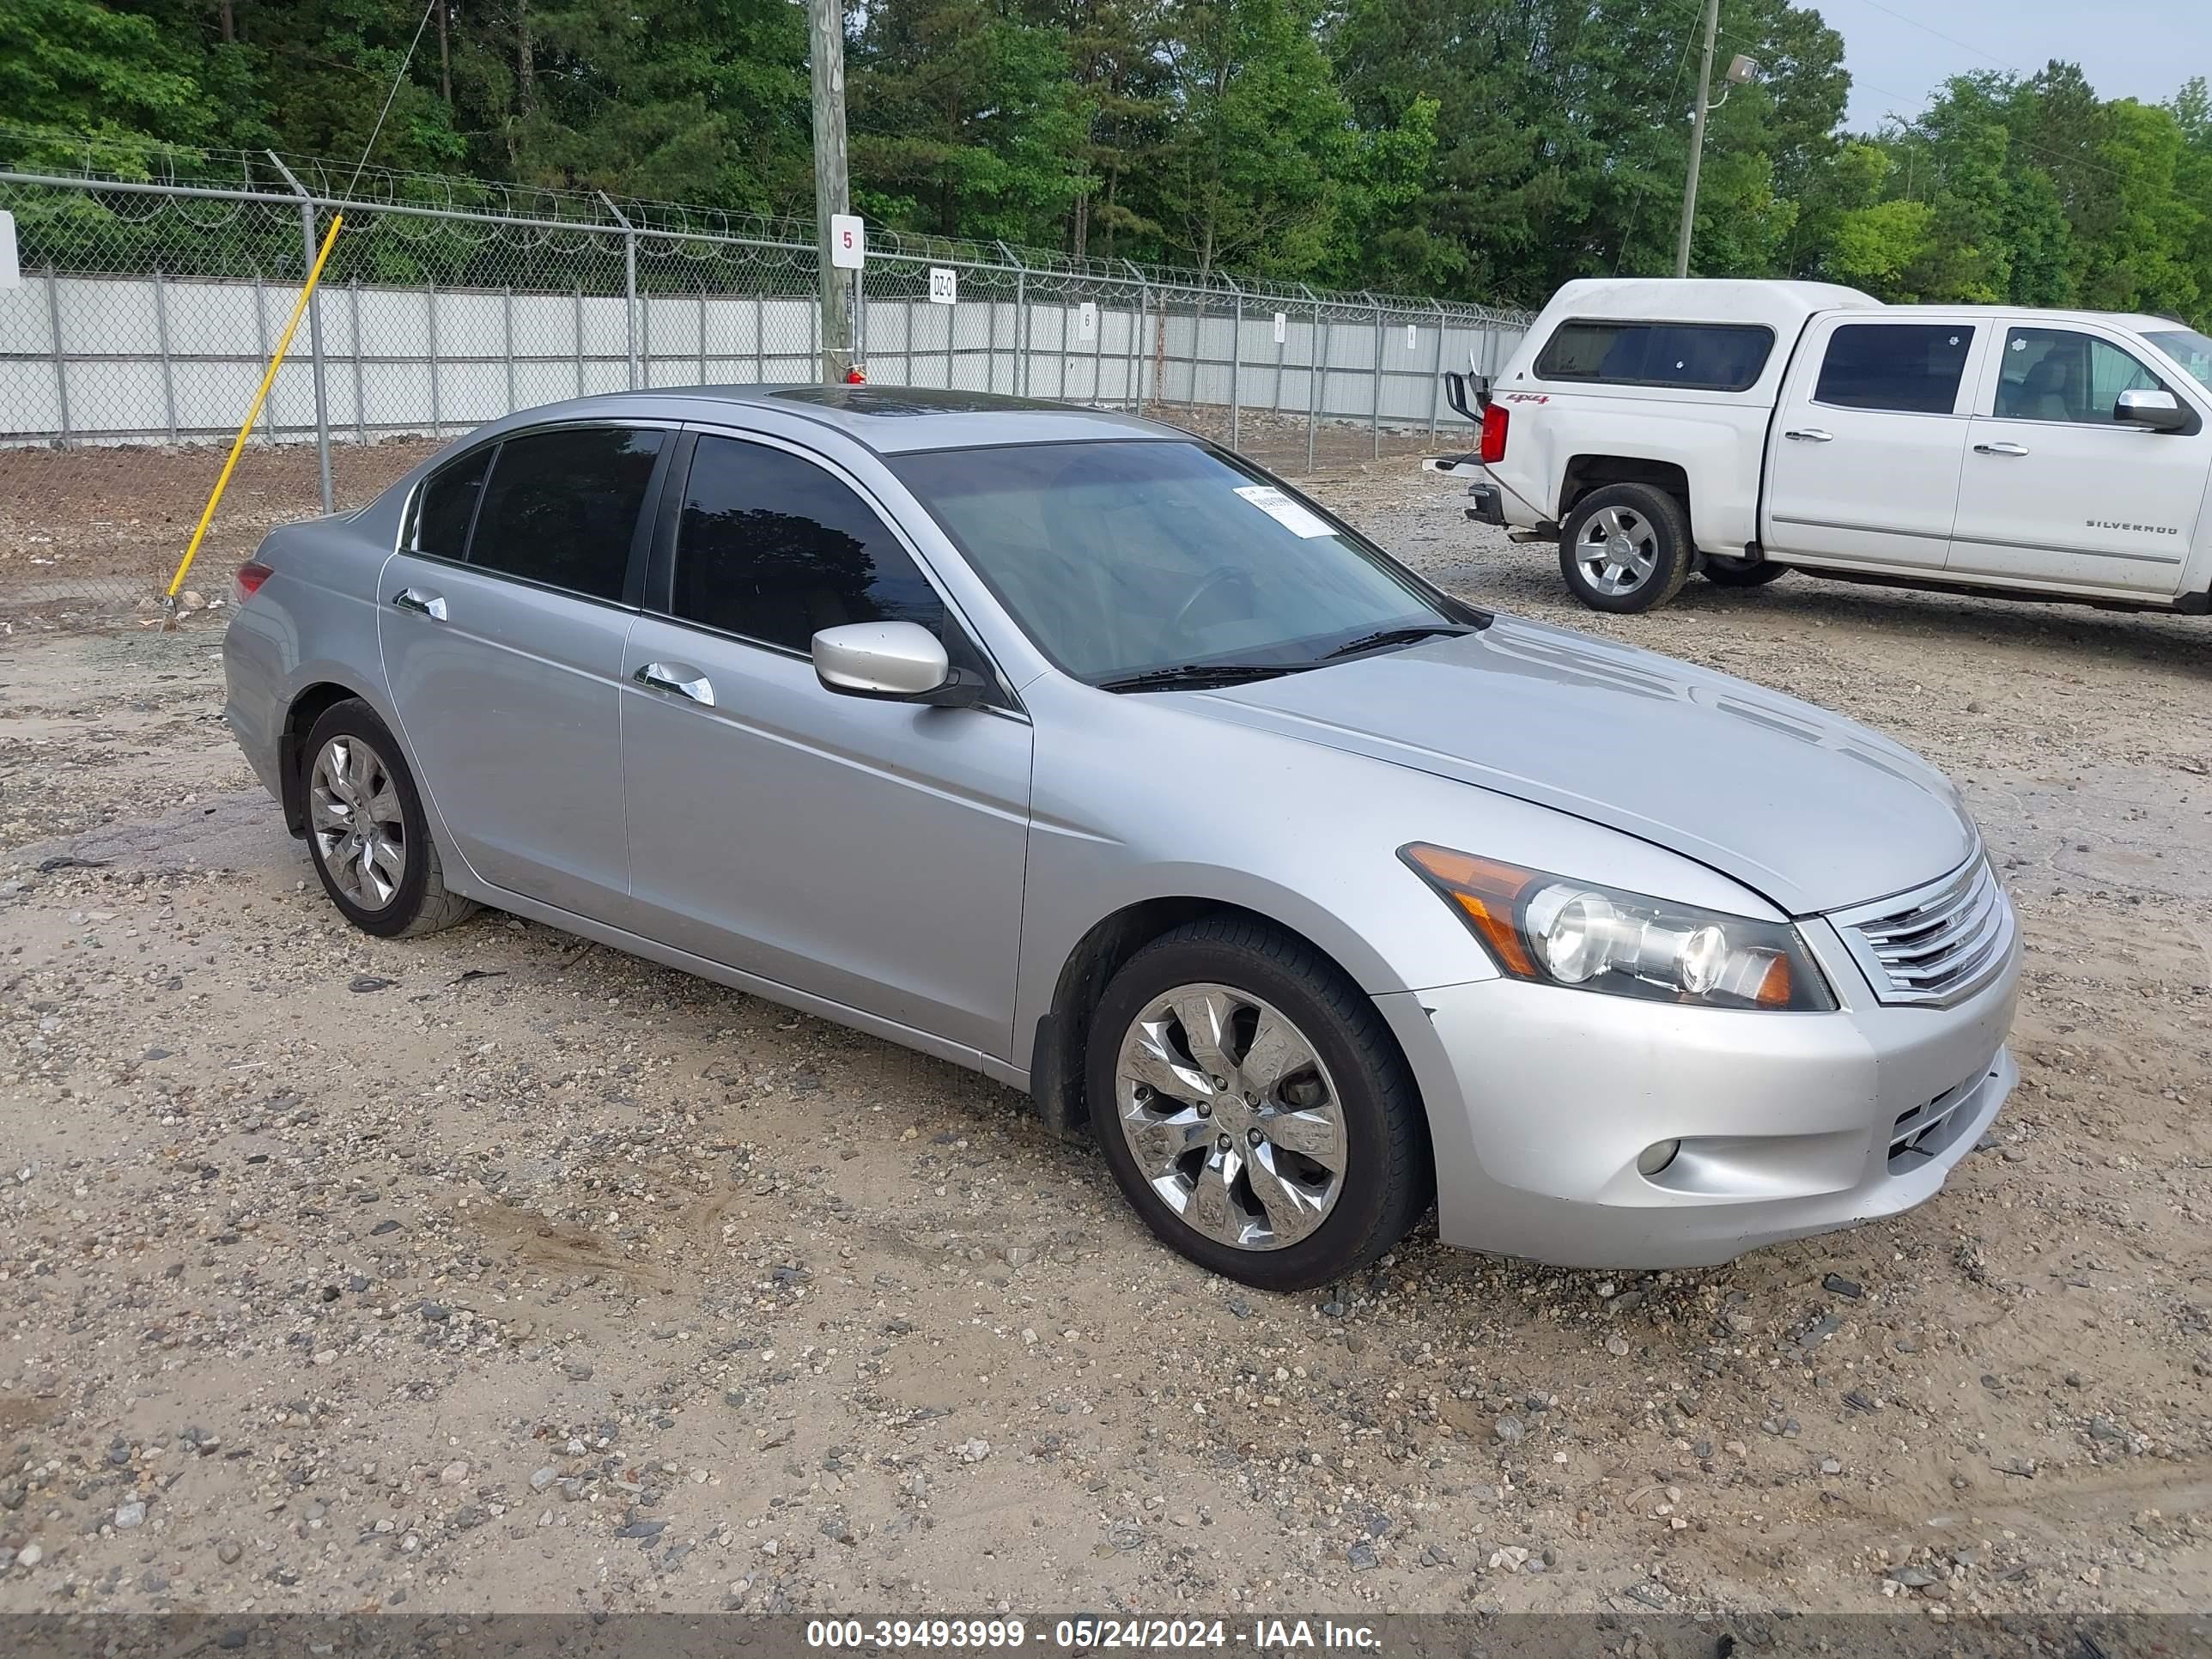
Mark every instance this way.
x=1626 y=548
x=1724 y=571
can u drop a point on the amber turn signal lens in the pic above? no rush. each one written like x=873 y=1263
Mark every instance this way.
x=1488 y=891
x=1774 y=988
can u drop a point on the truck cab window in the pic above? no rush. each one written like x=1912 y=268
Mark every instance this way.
x=2062 y=375
x=1913 y=369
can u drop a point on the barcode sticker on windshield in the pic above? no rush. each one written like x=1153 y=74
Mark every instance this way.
x=1286 y=511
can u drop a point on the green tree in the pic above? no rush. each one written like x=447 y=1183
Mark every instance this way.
x=965 y=121
x=1251 y=171
x=74 y=69
x=1117 y=57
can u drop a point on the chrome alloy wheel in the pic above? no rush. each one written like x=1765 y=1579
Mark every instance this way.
x=1617 y=548
x=353 y=812
x=1231 y=1116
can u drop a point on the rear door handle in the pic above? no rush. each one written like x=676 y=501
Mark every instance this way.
x=680 y=677
x=2000 y=449
x=1810 y=435
x=421 y=602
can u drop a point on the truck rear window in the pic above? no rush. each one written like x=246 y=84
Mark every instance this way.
x=1701 y=356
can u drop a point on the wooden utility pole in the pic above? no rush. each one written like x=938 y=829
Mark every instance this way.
x=1697 y=140
x=832 y=191
x=445 y=51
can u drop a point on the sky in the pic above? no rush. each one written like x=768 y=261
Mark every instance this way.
x=2141 y=49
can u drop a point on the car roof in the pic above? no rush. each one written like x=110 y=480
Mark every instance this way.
x=889 y=419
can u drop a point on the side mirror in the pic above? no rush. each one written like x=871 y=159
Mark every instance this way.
x=891 y=662
x=2159 y=410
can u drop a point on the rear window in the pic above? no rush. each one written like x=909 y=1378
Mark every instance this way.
x=1701 y=356
x=562 y=507
x=448 y=504
x=1913 y=369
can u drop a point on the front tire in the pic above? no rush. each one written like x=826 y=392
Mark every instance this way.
x=366 y=831
x=1253 y=1108
x=1626 y=548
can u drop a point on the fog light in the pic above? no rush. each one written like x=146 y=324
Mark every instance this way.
x=1657 y=1157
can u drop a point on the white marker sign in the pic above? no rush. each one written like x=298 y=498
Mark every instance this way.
x=1282 y=328
x=944 y=286
x=11 y=270
x=848 y=241
x=1086 y=320
x=1412 y=336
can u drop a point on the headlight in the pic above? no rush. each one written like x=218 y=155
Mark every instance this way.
x=1557 y=932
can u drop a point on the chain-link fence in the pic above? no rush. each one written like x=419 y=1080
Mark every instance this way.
x=150 y=306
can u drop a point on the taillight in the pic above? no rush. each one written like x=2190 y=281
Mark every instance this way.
x=1493 y=434
x=248 y=582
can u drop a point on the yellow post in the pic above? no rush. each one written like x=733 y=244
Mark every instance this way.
x=238 y=444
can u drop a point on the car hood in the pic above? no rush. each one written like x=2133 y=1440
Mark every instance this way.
x=1813 y=811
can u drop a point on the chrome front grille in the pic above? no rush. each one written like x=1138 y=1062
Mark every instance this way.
x=1937 y=945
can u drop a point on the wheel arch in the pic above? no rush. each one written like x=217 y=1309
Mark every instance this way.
x=1585 y=473
x=1062 y=1034
x=306 y=706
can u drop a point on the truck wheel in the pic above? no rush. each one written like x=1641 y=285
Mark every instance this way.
x=1742 y=572
x=1626 y=548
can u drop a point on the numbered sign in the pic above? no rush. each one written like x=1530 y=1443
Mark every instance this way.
x=1086 y=320
x=1412 y=336
x=1282 y=328
x=11 y=269
x=848 y=241
x=944 y=286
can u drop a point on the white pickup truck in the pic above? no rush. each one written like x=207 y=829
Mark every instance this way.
x=1743 y=429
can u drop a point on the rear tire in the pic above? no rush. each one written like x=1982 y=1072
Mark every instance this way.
x=1281 y=1138
x=366 y=831
x=1742 y=572
x=1626 y=548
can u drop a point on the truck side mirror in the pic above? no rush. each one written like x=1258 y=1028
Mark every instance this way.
x=2159 y=410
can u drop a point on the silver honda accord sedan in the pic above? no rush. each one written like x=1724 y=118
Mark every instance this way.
x=1068 y=747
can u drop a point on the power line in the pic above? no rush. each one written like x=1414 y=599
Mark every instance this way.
x=1928 y=28
x=375 y=130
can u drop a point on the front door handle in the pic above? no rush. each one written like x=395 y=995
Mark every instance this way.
x=2000 y=449
x=680 y=677
x=1810 y=435
x=422 y=603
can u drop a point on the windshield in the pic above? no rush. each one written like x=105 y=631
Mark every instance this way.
x=2192 y=350
x=1121 y=559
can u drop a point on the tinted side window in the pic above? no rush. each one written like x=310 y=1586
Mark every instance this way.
x=1704 y=356
x=562 y=507
x=1914 y=368
x=443 y=509
x=774 y=547
x=2058 y=374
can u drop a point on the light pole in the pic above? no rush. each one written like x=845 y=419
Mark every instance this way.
x=1741 y=69
x=832 y=193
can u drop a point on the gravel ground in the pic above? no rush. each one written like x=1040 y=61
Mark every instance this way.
x=495 y=1271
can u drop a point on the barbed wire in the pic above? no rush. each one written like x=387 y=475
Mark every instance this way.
x=503 y=207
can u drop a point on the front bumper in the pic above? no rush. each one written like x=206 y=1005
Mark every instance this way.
x=1540 y=1101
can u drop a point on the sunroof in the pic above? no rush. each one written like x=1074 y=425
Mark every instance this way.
x=904 y=400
